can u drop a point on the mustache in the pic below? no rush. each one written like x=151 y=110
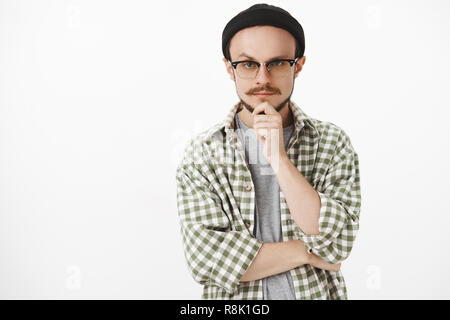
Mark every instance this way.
x=268 y=90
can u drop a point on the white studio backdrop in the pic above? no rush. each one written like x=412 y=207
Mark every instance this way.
x=98 y=98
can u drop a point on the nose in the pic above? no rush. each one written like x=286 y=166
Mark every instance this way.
x=263 y=75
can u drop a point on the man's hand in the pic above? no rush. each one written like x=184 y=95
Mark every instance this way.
x=318 y=262
x=269 y=130
x=312 y=259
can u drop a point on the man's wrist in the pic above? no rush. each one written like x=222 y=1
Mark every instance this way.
x=303 y=256
x=283 y=163
x=284 y=160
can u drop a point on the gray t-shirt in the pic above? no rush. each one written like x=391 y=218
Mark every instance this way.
x=267 y=206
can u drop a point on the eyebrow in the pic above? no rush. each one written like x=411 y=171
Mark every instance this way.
x=274 y=58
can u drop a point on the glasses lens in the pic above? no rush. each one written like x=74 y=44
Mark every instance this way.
x=279 y=68
x=247 y=69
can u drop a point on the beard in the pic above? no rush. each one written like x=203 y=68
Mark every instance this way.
x=278 y=108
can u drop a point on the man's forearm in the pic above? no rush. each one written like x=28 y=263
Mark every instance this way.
x=276 y=257
x=302 y=199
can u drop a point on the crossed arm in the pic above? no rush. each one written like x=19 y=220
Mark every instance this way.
x=207 y=238
x=305 y=206
x=277 y=257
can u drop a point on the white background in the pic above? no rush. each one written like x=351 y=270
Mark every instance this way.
x=97 y=99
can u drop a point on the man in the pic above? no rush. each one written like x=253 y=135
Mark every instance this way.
x=276 y=227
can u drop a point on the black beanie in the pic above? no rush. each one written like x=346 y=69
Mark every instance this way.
x=263 y=14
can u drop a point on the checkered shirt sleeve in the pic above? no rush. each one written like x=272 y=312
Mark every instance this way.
x=340 y=197
x=215 y=254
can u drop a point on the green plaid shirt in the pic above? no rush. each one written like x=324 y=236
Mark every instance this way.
x=216 y=204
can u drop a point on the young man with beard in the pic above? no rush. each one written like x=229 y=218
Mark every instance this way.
x=269 y=199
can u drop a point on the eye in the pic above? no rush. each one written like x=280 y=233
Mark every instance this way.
x=249 y=64
x=277 y=63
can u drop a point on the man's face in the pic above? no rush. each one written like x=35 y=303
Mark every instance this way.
x=263 y=44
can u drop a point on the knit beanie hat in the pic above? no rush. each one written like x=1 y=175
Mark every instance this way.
x=263 y=14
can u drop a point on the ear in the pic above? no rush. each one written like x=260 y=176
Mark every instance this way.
x=299 y=66
x=229 y=68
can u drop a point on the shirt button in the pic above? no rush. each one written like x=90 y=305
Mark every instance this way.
x=248 y=187
x=247 y=224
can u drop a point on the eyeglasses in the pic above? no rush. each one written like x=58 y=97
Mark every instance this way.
x=276 y=68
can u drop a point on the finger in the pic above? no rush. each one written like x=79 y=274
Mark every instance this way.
x=269 y=129
x=258 y=109
x=263 y=135
x=266 y=124
x=262 y=132
x=265 y=117
x=266 y=107
x=276 y=121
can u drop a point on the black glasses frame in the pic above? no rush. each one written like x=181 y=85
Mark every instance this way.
x=291 y=62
